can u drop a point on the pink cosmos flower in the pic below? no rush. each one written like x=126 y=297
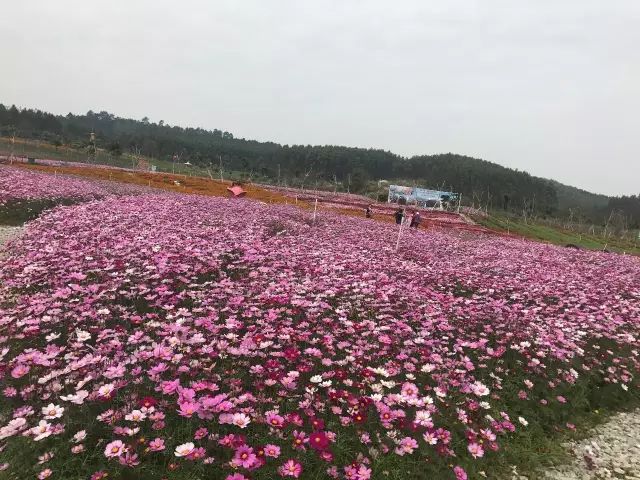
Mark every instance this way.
x=9 y=392
x=240 y=420
x=129 y=459
x=156 y=445
x=20 y=370
x=409 y=390
x=275 y=420
x=200 y=433
x=291 y=468
x=364 y=472
x=476 y=450
x=459 y=473
x=244 y=457
x=406 y=446
x=188 y=408
x=46 y=473
x=430 y=437
x=114 y=449
x=271 y=450
x=299 y=440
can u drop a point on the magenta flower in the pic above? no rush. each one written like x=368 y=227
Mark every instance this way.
x=236 y=476
x=275 y=420
x=318 y=440
x=244 y=457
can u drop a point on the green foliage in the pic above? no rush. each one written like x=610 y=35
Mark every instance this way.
x=559 y=236
x=17 y=212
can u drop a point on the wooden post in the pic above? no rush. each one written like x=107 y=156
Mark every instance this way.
x=315 y=209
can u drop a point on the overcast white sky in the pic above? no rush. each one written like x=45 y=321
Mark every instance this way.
x=547 y=86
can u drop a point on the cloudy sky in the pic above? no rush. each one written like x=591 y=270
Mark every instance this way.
x=547 y=86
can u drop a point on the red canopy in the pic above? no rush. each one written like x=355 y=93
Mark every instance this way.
x=236 y=191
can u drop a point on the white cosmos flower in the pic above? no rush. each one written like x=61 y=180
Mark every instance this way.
x=423 y=417
x=105 y=390
x=83 y=335
x=184 y=449
x=43 y=430
x=135 y=416
x=77 y=398
x=52 y=411
x=480 y=389
x=52 y=336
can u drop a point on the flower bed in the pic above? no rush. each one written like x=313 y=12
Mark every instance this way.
x=173 y=336
x=18 y=184
x=25 y=194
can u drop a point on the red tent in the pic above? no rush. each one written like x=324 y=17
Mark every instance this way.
x=236 y=191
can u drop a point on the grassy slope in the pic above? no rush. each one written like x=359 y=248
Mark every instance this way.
x=558 y=236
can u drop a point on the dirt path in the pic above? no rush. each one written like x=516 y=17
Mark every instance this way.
x=611 y=451
x=7 y=233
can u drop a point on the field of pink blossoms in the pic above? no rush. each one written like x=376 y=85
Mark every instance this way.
x=18 y=184
x=183 y=337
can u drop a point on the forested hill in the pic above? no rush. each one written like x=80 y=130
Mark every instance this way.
x=480 y=182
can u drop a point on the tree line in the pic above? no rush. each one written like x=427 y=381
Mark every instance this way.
x=480 y=182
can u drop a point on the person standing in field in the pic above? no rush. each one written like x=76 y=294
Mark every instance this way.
x=368 y=212
x=416 y=219
x=399 y=216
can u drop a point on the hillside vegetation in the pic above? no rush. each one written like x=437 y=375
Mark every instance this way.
x=481 y=183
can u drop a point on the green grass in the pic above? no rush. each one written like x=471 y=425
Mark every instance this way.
x=18 y=212
x=558 y=236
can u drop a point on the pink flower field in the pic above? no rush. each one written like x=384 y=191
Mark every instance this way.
x=18 y=184
x=182 y=337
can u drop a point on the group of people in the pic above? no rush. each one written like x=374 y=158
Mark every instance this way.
x=416 y=218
